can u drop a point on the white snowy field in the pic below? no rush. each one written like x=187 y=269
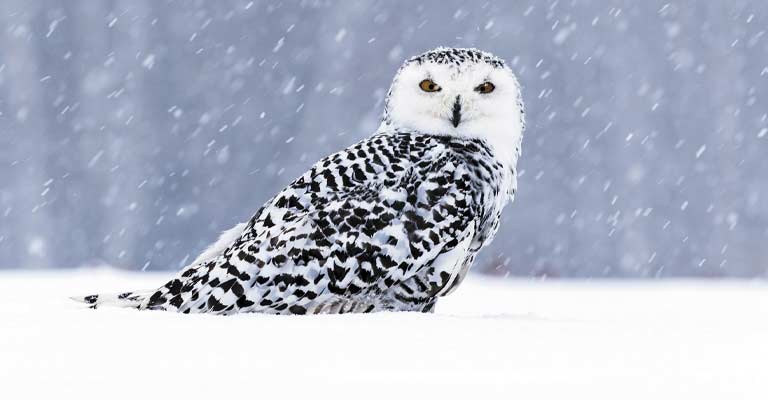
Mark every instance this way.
x=491 y=339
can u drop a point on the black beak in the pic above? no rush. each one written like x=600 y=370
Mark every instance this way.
x=456 y=117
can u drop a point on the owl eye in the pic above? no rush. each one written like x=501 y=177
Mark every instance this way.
x=428 y=85
x=485 y=88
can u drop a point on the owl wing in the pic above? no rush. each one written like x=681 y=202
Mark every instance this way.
x=361 y=221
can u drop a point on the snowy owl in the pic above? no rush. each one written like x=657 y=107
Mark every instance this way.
x=390 y=223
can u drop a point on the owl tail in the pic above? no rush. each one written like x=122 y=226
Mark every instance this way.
x=123 y=300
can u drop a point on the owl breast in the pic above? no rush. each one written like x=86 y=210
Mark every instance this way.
x=490 y=186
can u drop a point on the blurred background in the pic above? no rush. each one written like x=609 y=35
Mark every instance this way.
x=133 y=131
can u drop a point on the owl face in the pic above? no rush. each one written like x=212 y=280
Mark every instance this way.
x=462 y=92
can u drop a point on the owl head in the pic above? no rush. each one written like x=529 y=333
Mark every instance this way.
x=459 y=92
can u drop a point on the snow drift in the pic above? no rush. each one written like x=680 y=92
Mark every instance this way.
x=497 y=339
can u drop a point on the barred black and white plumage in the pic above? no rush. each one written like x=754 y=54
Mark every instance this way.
x=390 y=223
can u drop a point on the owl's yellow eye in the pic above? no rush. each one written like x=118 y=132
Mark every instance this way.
x=428 y=85
x=485 y=88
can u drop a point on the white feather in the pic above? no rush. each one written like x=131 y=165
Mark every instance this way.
x=225 y=240
x=496 y=117
x=452 y=261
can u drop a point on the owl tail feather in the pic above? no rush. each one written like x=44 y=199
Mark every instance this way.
x=123 y=300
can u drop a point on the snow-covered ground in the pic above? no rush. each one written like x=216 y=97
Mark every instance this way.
x=491 y=339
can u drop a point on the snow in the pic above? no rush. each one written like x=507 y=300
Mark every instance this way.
x=631 y=105
x=499 y=339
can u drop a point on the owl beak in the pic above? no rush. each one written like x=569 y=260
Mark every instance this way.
x=456 y=116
